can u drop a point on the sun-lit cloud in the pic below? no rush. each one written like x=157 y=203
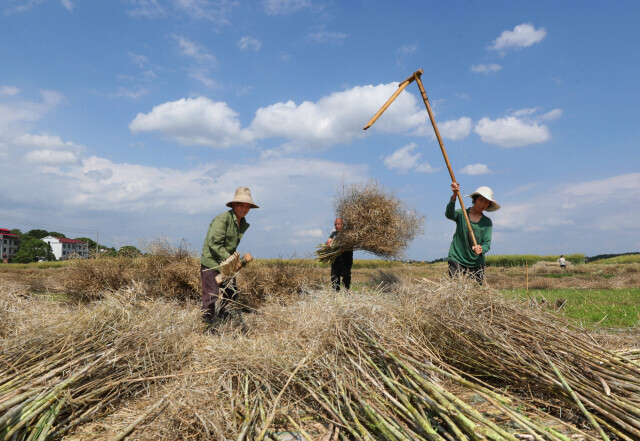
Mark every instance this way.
x=475 y=170
x=332 y=120
x=486 y=68
x=249 y=43
x=511 y=132
x=455 y=129
x=405 y=159
x=194 y=121
x=523 y=35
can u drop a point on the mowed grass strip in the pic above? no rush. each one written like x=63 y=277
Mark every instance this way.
x=607 y=308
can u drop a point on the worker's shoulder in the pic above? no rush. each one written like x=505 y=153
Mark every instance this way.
x=222 y=217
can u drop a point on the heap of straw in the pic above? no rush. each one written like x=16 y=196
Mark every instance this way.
x=375 y=221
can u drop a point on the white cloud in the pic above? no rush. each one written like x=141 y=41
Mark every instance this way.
x=14 y=114
x=9 y=90
x=511 y=132
x=485 y=68
x=195 y=51
x=194 y=121
x=475 y=169
x=283 y=7
x=611 y=208
x=217 y=12
x=404 y=160
x=247 y=42
x=51 y=157
x=68 y=4
x=408 y=49
x=311 y=234
x=326 y=37
x=455 y=129
x=525 y=112
x=523 y=35
x=334 y=119
x=146 y=9
x=552 y=115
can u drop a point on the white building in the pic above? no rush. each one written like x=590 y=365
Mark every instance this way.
x=67 y=248
x=9 y=244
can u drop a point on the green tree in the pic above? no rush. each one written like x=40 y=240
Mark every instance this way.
x=129 y=251
x=38 y=234
x=33 y=250
x=16 y=231
x=90 y=242
x=56 y=234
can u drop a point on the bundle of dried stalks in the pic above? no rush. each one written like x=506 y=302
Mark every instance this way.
x=375 y=220
x=276 y=280
x=165 y=271
x=82 y=361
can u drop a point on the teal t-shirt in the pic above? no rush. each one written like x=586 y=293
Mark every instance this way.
x=460 y=250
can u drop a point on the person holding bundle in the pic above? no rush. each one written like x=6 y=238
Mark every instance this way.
x=220 y=243
x=465 y=258
x=341 y=266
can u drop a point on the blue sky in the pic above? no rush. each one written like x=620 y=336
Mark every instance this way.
x=139 y=118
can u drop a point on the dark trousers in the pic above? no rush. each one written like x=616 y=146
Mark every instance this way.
x=474 y=273
x=216 y=299
x=341 y=269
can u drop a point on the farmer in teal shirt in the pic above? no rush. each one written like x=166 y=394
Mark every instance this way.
x=221 y=241
x=464 y=257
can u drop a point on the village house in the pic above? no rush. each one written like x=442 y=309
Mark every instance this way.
x=67 y=248
x=9 y=244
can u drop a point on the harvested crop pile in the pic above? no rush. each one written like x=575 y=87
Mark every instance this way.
x=366 y=365
x=165 y=271
x=275 y=280
x=375 y=221
x=62 y=367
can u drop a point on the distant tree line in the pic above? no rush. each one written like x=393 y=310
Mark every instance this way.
x=33 y=249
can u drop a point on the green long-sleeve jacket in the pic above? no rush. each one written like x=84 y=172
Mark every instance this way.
x=460 y=250
x=222 y=239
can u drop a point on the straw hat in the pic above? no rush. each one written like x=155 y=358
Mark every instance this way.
x=243 y=194
x=486 y=193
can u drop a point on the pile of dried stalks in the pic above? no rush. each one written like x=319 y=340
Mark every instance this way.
x=275 y=280
x=165 y=271
x=375 y=221
x=82 y=362
x=359 y=366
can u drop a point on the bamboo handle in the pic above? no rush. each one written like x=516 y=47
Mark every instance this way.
x=401 y=87
x=444 y=152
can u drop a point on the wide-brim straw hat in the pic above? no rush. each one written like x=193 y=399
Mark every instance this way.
x=243 y=194
x=486 y=193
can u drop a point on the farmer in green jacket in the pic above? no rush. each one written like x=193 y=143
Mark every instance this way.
x=221 y=241
x=464 y=257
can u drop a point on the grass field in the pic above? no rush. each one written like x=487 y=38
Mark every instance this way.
x=606 y=308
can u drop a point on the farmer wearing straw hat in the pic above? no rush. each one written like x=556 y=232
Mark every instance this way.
x=464 y=258
x=221 y=241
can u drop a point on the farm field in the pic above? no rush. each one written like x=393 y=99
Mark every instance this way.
x=116 y=348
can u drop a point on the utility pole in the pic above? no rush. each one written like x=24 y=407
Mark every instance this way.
x=97 y=243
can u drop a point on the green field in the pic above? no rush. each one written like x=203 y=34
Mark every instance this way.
x=606 y=308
